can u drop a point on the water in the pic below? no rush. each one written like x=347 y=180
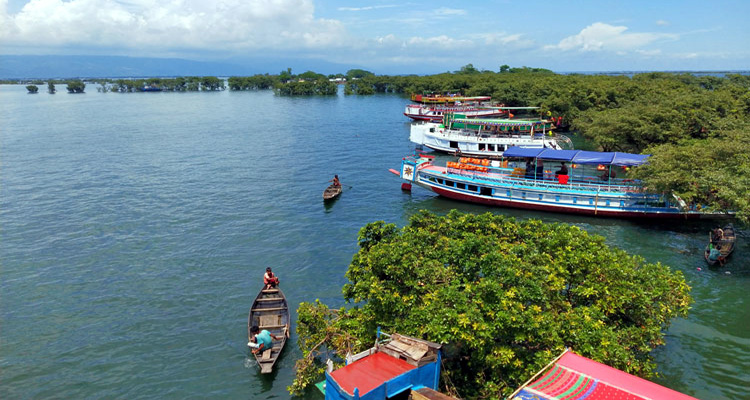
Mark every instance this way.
x=136 y=229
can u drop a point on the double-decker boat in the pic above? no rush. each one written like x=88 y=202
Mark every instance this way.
x=535 y=186
x=486 y=137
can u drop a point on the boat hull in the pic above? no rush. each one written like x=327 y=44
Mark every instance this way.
x=270 y=312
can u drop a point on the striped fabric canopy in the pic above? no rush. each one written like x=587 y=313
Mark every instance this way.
x=574 y=377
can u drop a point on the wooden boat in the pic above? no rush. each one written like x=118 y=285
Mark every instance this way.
x=726 y=242
x=270 y=312
x=536 y=187
x=331 y=192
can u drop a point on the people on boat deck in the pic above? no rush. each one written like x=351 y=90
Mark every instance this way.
x=714 y=255
x=607 y=175
x=269 y=279
x=563 y=169
x=539 y=169
x=335 y=180
x=261 y=340
x=716 y=235
x=529 y=168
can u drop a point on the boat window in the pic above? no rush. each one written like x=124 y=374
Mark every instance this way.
x=440 y=181
x=431 y=178
x=486 y=191
x=461 y=185
x=482 y=146
x=540 y=197
x=575 y=200
x=448 y=183
x=473 y=188
x=591 y=201
x=507 y=192
x=491 y=147
x=454 y=145
x=432 y=130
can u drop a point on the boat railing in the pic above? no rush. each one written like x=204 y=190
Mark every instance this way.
x=549 y=181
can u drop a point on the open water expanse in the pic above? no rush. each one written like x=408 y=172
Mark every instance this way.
x=135 y=228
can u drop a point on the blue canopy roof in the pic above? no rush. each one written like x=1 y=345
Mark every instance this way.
x=578 y=156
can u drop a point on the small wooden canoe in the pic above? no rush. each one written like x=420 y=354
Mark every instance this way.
x=270 y=312
x=331 y=192
x=726 y=242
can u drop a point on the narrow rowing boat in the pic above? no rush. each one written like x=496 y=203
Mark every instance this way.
x=270 y=312
x=331 y=192
x=725 y=245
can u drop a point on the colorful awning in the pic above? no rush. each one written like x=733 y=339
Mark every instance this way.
x=574 y=377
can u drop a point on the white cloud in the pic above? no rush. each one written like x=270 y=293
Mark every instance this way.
x=169 y=24
x=503 y=39
x=367 y=8
x=604 y=37
x=662 y=22
x=448 y=12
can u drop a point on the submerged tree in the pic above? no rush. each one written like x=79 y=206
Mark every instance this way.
x=76 y=86
x=32 y=88
x=504 y=296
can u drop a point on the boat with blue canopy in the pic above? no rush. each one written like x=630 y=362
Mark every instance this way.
x=567 y=181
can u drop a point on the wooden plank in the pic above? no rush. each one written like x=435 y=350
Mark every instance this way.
x=266 y=355
x=270 y=299
x=270 y=290
x=271 y=326
x=269 y=309
x=429 y=394
x=270 y=320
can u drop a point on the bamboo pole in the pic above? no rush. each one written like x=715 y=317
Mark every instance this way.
x=538 y=373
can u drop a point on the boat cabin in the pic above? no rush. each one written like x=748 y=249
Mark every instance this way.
x=387 y=370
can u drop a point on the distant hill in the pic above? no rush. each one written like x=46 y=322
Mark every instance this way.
x=60 y=67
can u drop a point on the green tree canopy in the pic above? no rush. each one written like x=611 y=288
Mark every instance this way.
x=504 y=296
x=75 y=86
x=32 y=88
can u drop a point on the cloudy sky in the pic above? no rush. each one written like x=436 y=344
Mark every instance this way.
x=393 y=37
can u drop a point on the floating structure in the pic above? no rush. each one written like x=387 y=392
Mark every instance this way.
x=573 y=377
x=391 y=367
x=469 y=108
x=488 y=138
x=535 y=187
x=270 y=312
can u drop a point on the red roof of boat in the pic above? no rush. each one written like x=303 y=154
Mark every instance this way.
x=369 y=372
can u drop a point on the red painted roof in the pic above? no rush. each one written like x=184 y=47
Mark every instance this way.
x=369 y=372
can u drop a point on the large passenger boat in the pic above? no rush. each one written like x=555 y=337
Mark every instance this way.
x=486 y=137
x=537 y=186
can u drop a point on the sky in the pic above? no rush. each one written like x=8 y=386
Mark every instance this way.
x=389 y=37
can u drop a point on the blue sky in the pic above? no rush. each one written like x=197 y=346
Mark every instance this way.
x=389 y=37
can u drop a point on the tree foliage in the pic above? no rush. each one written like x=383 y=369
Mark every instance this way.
x=32 y=88
x=75 y=86
x=504 y=296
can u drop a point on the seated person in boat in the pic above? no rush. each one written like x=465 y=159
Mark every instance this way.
x=269 y=279
x=529 y=169
x=335 y=180
x=716 y=235
x=714 y=255
x=539 y=169
x=261 y=340
x=607 y=175
x=563 y=169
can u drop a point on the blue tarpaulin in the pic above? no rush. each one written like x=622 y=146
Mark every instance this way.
x=578 y=156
